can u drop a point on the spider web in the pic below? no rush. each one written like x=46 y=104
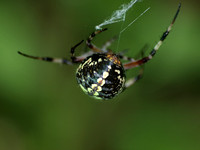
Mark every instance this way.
x=120 y=16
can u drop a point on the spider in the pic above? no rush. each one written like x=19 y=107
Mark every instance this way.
x=101 y=74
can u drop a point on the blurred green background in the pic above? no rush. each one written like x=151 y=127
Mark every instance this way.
x=43 y=108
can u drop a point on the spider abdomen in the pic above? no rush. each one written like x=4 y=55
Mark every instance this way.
x=101 y=76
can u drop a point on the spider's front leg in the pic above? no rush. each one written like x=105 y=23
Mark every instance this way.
x=58 y=60
x=90 y=38
x=108 y=43
x=73 y=58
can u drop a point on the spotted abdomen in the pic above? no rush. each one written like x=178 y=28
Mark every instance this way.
x=101 y=76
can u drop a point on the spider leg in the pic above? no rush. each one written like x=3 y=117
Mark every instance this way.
x=126 y=58
x=108 y=43
x=58 y=60
x=73 y=58
x=156 y=47
x=136 y=78
x=49 y=59
x=83 y=56
x=140 y=74
x=90 y=38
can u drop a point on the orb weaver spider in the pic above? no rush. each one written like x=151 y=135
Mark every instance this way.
x=101 y=74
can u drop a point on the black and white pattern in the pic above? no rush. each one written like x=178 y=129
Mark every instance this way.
x=101 y=73
x=100 y=77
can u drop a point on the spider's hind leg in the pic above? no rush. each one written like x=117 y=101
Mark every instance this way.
x=58 y=60
x=49 y=59
x=139 y=76
x=136 y=78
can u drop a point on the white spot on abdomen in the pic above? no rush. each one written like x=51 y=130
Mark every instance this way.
x=105 y=74
x=101 y=81
x=99 y=60
x=117 y=71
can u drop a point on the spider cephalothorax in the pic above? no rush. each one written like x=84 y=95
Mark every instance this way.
x=101 y=73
